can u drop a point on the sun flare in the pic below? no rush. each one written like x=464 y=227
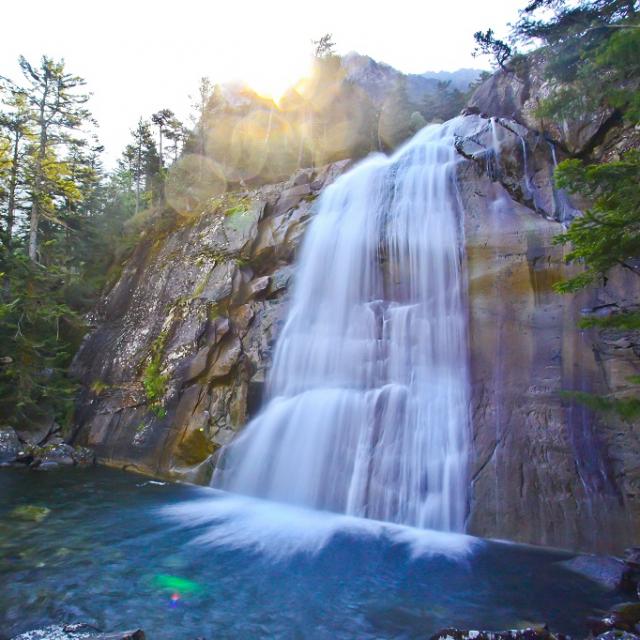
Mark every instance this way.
x=273 y=77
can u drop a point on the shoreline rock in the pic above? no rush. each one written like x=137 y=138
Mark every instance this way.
x=78 y=631
x=52 y=453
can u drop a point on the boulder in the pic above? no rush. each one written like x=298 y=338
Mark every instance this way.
x=83 y=456
x=606 y=571
x=59 y=452
x=39 y=431
x=9 y=445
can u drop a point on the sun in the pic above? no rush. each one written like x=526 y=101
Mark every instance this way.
x=271 y=78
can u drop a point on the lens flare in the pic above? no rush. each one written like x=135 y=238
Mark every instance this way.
x=274 y=78
x=191 y=182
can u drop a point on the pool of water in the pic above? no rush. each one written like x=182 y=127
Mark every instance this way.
x=118 y=551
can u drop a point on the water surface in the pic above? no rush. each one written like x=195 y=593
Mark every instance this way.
x=118 y=551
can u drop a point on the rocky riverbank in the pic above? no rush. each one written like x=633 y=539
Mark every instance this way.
x=41 y=450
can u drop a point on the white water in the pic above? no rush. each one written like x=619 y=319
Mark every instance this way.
x=566 y=211
x=279 y=531
x=367 y=401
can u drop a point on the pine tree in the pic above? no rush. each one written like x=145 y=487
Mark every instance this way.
x=141 y=159
x=15 y=132
x=56 y=111
x=162 y=119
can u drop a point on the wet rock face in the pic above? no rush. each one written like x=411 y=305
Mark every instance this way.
x=544 y=470
x=177 y=361
x=195 y=314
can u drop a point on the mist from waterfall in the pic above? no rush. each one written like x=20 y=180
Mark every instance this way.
x=367 y=402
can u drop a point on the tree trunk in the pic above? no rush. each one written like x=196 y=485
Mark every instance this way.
x=37 y=179
x=138 y=177
x=33 y=232
x=13 y=183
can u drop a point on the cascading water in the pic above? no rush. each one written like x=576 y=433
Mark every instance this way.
x=367 y=401
x=566 y=211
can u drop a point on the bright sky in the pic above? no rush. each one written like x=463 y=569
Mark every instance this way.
x=139 y=56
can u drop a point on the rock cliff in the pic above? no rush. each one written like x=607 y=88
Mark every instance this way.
x=176 y=362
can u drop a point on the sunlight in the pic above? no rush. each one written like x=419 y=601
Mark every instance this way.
x=271 y=77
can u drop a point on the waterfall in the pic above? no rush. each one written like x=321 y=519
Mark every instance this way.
x=565 y=210
x=367 y=401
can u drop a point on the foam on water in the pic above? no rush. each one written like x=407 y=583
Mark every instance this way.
x=277 y=530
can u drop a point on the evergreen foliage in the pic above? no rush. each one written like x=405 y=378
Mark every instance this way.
x=61 y=228
x=608 y=234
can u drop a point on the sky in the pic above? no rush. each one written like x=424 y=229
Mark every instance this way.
x=139 y=56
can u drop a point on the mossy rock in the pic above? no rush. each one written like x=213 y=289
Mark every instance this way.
x=195 y=448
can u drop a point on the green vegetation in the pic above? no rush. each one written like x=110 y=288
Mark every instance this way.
x=153 y=380
x=626 y=408
x=608 y=234
x=98 y=387
x=61 y=232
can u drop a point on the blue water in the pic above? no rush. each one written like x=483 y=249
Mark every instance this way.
x=181 y=562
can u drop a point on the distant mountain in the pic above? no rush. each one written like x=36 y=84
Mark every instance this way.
x=378 y=79
x=460 y=79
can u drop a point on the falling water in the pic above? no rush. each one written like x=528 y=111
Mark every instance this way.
x=525 y=163
x=566 y=211
x=367 y=399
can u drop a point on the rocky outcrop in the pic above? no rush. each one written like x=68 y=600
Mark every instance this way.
x=176 y=363
x=518 y=94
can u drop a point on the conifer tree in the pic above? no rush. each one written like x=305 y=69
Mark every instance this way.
x=56 y=111
x=15 y=132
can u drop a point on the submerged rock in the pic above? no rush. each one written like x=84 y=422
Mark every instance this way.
x=606 y=571
x=30 y=512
